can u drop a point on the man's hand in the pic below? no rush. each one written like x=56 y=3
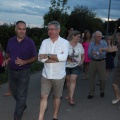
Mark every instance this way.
x=5 y=62
x=94 y=53
x=20 y=62
x=101 y=50
x=42 y=56
x=69 y=60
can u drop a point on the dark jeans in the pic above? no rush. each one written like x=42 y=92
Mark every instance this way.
x=19 y=81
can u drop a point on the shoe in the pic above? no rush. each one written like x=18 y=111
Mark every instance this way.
x=67 y=97
x=84 y=78
x=16 y=119
x=98 y=83
x=72 y=102
x=7 y=94
x=25 y=107
x=90 y=96
x=115 y=101
x=102 y=94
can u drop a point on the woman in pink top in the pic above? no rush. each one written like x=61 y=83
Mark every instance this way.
x=86 y=42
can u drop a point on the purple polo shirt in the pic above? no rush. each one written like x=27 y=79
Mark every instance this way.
x=24 y=50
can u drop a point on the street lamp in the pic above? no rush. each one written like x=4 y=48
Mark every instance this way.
x=108 y=17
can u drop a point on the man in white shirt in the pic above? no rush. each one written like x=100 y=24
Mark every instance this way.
x=53 y=53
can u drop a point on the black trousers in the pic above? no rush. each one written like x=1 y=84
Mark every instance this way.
x=19 y=81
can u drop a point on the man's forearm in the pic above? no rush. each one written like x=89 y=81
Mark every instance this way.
x=50 y=61
x=53 y=57
x=31 y=60
x=7 y=56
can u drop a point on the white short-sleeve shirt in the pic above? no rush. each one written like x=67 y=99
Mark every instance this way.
x=75 y=54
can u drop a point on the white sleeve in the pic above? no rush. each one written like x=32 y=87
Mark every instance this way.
x=63 y=56
x=42 y=51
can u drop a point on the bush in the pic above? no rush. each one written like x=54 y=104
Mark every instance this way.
x=36 y=66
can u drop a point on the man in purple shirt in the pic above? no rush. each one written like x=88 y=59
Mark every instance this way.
x=20 y=53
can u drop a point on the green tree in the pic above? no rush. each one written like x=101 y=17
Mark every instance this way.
x=6 y=31
x=118 y=25
x=57 y=12
x=82 y=18
x=98 y=25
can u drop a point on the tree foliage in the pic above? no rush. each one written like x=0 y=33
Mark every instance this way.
x=57 y=12
x=59 y=4
x=114 y=26
x=5 y=32
x=82 y=18
x=8 y=31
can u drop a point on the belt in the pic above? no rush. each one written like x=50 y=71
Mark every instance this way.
x=98 y=59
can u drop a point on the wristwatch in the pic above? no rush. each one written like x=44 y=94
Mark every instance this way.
x=49 y=56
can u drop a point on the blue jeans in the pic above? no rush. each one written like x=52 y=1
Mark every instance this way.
x=19 y=81
x=74 y=70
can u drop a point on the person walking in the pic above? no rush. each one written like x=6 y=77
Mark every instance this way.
x=53 y=53
x=20 y=54
x=110 y=55
x=116 y=75
x=97 y=64
x=8 y=93
x=74 y=61
x=85 y=43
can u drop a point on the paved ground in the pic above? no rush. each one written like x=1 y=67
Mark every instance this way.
x=95 y=109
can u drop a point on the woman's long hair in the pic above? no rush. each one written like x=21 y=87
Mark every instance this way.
x=85 y=37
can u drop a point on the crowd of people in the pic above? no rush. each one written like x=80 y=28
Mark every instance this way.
x=62 y=60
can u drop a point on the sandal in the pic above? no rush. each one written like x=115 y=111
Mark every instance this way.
x=72 y=102
x=67 y=97
x=7 y=94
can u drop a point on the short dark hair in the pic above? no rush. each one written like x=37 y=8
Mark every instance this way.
x=20 y=21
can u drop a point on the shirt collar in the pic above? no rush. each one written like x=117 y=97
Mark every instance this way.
x=56 y=40
x=23 y=39
x=100 y=42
